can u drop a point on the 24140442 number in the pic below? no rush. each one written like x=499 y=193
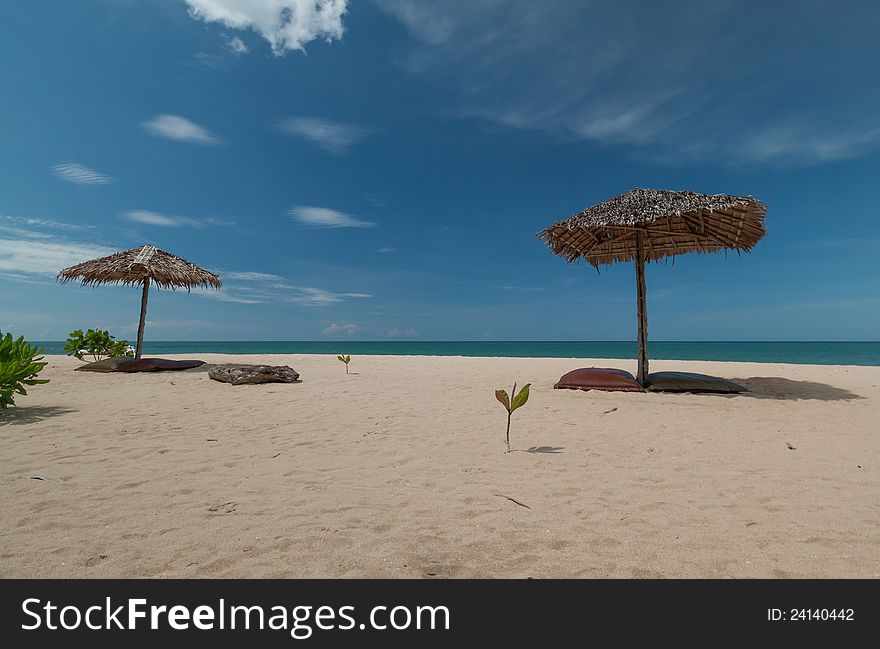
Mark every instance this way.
x=811 y=615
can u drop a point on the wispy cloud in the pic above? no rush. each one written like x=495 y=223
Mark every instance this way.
x=285 y=24
x=175 y=127
x=767 y=92
x=251 y=276
x=317 y=297
x=151 y=218
x=31 y=222
x=35 y=249
x=386 y=249
x=511 y=287
x=322 y=217
x=162 y=220
x=429 y=26
x=45 y=257
x=235 y=45
x=225 y=294
x=394 y=332
x=376 y=200
x=257 y=287
x=333 y=137
x=340 y=330
x=855 y=243
x=74 y=172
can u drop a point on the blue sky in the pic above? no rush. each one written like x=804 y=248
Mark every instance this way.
x=378 y=169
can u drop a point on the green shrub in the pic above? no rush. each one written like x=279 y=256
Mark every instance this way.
x=19 y=365
x=97 y=344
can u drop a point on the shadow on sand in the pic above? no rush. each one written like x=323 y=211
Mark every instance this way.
x=774 y=387
x=31 y=414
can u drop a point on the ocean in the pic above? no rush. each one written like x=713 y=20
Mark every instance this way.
x=813 y=353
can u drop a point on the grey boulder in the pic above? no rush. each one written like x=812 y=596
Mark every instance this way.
x=245 y=374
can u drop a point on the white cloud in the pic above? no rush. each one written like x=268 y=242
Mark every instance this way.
x=73 y=172
x=387 y=249
x=285 y=24
x=509 y=287
x=315 y=297
x=394 y=332
x=151 y=218
x=768 y=91
x=42 y=257
x=250 y=276
x=333 y=137
x=817 y=143
x=429 y=26
x=175 y=127
x=236 y=45
x=266 y=287
x=30 y=222
x=322 y=217
x=224 y=294
x=162 y=220
x=340 y=329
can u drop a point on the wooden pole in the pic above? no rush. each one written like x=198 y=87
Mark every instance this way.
x=642 y=310
x=140 y=340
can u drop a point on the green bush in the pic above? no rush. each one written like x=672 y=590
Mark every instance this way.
x=97 y=344
x=19 y=365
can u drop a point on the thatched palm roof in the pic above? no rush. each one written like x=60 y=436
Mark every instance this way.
x=134 y=266
x=672 y=223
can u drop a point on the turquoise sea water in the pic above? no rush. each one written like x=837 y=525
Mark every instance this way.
x=814 y=353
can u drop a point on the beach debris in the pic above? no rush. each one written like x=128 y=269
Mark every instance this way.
x=545 y=449
x=519 y=399
x=250 y=374
x=345 y=359
x=158 y=365
x=609 y=411
x=276 y=455
x=224 y=508
x=45 y=479
x=790 y=447
x=513 y=500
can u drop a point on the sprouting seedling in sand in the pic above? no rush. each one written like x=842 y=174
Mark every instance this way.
x=518 y=400
x=345 y=359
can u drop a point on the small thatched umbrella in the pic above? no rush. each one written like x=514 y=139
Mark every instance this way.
x=141 y=266
x=650 y=224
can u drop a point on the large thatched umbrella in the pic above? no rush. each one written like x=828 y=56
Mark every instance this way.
x=141 y=266
x=650 y=224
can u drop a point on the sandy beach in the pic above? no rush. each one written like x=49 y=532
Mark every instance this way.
x=399 y=470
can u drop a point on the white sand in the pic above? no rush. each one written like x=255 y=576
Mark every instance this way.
x=394 y=472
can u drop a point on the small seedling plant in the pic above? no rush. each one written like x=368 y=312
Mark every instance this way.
x=519 y=400
x=345 y=359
